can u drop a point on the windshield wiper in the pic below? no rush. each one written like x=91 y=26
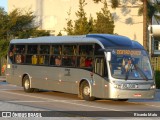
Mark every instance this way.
x=140 y=72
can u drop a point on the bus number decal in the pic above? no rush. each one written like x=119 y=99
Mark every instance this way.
x=68 y=72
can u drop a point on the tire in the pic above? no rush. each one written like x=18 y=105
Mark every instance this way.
x=26 y=85
x=85 y=91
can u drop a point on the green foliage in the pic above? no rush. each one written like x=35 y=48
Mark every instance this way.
x=90 y=25
x=115 y=3
x=81 y=24
x=152 y=9
x=37 y=33
x=59 y=34
x=103 y=24
x=21 y=24
x=70 y=27
x=3 y=47
x=3 y=25
x=157 y=78
x=17 y=24
x=96 y=1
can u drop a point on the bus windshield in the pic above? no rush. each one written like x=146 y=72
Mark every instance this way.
x=130 y=65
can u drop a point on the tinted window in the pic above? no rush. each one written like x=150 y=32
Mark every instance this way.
x=32 y=49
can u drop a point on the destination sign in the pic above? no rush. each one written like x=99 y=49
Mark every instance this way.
x=128 y=52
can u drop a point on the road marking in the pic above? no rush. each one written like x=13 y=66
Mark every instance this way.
x=144 y=104
x=70 y=102
x=152 y=105
x=9 y=85
x=62 y=101
x=16 y=101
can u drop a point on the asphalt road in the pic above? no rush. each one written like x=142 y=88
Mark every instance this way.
x=13 y=98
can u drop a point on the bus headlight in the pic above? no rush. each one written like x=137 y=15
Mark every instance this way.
x=153 y=87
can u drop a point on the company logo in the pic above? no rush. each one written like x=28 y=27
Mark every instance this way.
x=6 y=114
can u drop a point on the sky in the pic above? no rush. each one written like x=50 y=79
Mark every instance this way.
x=3 y=4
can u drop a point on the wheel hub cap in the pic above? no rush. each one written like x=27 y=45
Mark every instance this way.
x=26 y=84
x=86 y=90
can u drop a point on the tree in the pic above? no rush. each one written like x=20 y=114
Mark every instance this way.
x=17 y=25
x=81 y=24
x=145 y=24
x=59 y=34
x=148 y=9
x=90 y=24
x=70 y=27
x=3 y=47
x=3 y=25
x=104 y=22
x=3 y=32
x=20 y=25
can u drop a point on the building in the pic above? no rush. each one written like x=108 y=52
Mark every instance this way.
x=52 y=14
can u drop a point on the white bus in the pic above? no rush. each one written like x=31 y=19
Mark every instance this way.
x=92 y=66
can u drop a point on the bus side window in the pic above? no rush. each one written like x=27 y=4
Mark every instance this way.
x=58 y=61
x=11 y=53
x=56 y=52
x=19 y=53
x=41 y=59
x=69 y=55
x=88 y=62
x=18 y=58
x=52 y=60
x=44 y=51
x=82 y=61
x=34 y=59
x=32 y=49
x=85 y=56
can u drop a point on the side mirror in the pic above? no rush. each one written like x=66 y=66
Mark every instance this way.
x=108 y=56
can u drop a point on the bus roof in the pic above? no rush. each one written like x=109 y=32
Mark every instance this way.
x=105 y=40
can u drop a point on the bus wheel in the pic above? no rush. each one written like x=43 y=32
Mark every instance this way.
x=26 y=85
x=85 y=91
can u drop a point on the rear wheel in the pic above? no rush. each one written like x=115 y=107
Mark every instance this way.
x=26 y=85
x=86 y=91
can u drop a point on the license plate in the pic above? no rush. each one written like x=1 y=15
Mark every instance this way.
x=137 y=95
x=129 y=86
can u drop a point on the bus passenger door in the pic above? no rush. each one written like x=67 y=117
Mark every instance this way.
x=99 y=68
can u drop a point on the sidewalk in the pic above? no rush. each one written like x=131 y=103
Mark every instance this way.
x=2 y=78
